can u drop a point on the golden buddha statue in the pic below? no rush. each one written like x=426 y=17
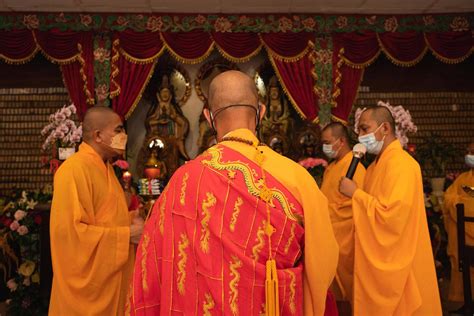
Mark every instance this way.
x=277 y=121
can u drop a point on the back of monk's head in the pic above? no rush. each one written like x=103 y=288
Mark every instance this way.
x=96 y=118
x=338 y=130
x=381 y=114
x=229 y=88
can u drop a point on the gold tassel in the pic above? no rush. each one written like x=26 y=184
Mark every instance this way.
x=272 y=307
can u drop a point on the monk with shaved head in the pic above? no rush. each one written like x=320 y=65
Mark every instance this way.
x=394 y=271
x=240 y=230
x=336 y=146
x=91 y=229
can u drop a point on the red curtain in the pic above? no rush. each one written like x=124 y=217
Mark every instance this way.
x=134 y=55
x=355 y=51
x=73 y=51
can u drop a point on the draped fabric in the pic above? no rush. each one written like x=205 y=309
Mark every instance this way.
x=73 y=51
x=134 y=55
x=355 y=51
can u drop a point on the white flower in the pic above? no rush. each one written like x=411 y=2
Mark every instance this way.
x=31 y=204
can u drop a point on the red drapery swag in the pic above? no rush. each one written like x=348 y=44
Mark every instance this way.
x=73 y=51
x=355 y=51
x=134 y=56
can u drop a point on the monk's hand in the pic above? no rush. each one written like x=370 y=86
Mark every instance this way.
x=347 y=187
x=136 y=229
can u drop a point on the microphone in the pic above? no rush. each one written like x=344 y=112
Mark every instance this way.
x=358 y=151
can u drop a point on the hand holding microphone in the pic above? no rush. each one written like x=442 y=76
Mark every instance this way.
x=346 y=185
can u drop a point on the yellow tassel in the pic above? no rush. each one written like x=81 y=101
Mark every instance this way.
x=272 y=307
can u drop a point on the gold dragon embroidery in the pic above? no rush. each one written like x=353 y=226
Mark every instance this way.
x=182 y=245
x=255 y=187
x=235 y=214
x=234 y=284
x=292 y=292
x=146 y=241
x=208 y=305
x=290 y=240
x=162 y=214
x=260 y=241
x=182 y=197
x=206 y=212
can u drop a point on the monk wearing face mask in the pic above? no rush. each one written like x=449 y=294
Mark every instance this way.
x=459 y=192
x=394 y=271
x=91 y=230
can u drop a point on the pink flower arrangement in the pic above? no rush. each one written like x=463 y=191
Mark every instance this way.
x=403 y=121
x=62 y=129
x=122 y=164
x=313 y=162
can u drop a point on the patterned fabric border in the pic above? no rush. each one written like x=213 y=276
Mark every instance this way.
x=238 y=23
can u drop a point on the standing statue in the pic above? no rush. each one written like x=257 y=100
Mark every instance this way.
x=277 y=121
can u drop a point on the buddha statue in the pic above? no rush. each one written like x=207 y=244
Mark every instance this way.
x=276 y=121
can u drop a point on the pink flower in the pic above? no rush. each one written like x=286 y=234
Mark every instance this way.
x=122 y=164
x=19 y=215
x=14 y=226
x=31 y=21
x=101 y=54
x=154 y=23
x=86 y=19
x=285 y=24
x=309 y=23
x=391 y=24
x=22 y=230
x=200 y=19
x=459 y=24
x=12 y=285
x=222 y=25
x=313 y=162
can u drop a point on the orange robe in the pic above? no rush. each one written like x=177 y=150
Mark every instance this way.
x=90 y=235
x=340 y=210
x=454 y=195
x=204 y=248
x=394 y=271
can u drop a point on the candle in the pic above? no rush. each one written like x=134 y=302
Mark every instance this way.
x=127 y=178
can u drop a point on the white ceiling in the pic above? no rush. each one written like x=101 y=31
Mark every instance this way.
x=243 y=6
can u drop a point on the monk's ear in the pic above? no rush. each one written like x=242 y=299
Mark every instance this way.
x=263 y=110
x=386 y=128
x=207 y=115
x=96 y=136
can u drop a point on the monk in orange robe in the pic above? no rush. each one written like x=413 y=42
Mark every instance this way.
x=336 y=146
x=455 y=194
x=226 y=236
x=91 y=228
x=394 y=272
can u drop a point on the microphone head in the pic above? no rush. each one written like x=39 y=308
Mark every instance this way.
x=359 y=150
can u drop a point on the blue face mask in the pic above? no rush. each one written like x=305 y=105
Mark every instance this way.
x=371 y=143
x=469 y=160
x=328 y=150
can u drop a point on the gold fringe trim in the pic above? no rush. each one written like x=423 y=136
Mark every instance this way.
x=285 y=58
x=20 y=61
x=397 y=61
x=89 y=97
x=346 y=123
x=446 y=60
x=187 y=60
x=139 y=96
x=51 y=58
x=337 y=80
x=292 y=101
x=312 y=59
x=144 y=61
x=235 y=59
x=364 y=64
x=114 y=70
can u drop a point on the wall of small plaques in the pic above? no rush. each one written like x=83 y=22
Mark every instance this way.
x=23 y=114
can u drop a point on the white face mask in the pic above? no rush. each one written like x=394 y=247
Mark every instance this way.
x=373 y=145
x=469 y=159
x=328 y=150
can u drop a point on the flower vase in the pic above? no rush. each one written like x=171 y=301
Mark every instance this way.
x=65 y=152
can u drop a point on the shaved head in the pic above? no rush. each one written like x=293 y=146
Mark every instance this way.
x=381 y=114
x=338 y=130
x=96 y=118
x=232 y=87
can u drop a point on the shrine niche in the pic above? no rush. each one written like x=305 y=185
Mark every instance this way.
x=206 y=73
x=307 y=141
x=166 y=127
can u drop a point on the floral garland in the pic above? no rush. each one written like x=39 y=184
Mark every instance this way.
x=403 y=121
x=237 y=23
